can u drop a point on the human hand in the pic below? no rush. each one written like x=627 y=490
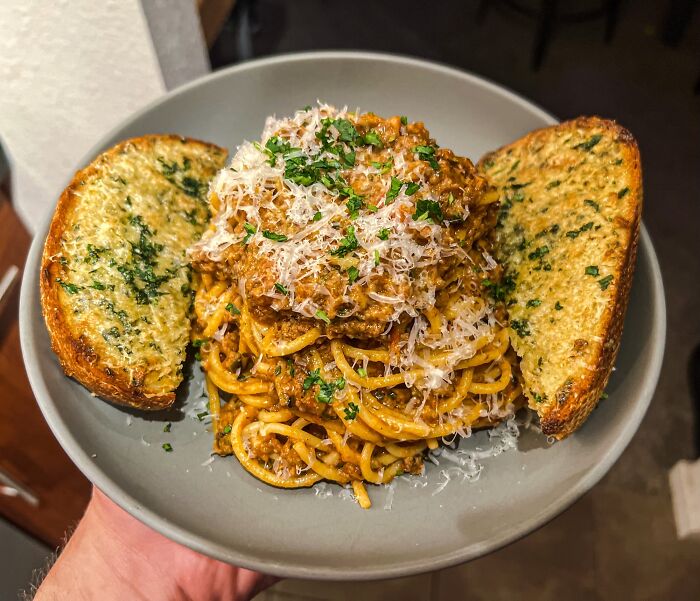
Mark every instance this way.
x=113 y=556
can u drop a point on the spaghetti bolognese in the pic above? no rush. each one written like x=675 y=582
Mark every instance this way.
x=346 y=302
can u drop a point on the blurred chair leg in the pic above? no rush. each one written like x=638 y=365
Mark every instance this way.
x=244 y=34
x=545 y=21
x=612 y=10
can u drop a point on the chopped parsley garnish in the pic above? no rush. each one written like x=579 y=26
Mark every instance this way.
x=372 y=138
x=314 y=377
x=553 y=184
x=166 y=427
x=521 y=327
x=592 y=203
x=603 y=396
x=250 y=229
x=411 y=188
x=317 y=216
x=275 y=146
x=537 y=396
x=538 y=253
x=227 y=429
x=427 y=154
x=558 y=306
x=354 y=204
x=167 y=447
x=499 y=292
x=533 y=302
x=347 y=244
x=290 y=365
x=327 y=389
x=592 y=270
x=572 y=234
x=231 y=308
x=383 y=167
x=622 y=193
x=274 y=236
x=201 y=415
x=404 y=120
x=94 y=253
x=353 y=274
x=376 y=257
x=605 y=282
x=590 y=143
x=97 y=285
x=383 y=233
x=278 y=370
x=281 y=289
x=323 y=316
x=68 y=287
x=394 y=188
x=351 y=411
x=427 y=210
x=362 y=372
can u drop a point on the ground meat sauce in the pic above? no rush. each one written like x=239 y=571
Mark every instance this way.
x=353 y=309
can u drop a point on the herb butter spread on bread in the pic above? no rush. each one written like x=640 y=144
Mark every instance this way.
x=571 y=198
x=115 y=282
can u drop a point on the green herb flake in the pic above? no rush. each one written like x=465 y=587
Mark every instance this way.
x=347 y=244
x=313 y=377
x=404 y=120
x=323 y=316
x=372 y=138
x=427 y=154
x=167 y=447
x=97 y=285
x=376 y=258
x=327 y=389
x=394 y=189
x=362 y=372
x=605 y=282
x=428 y=210
x=281 y=289
x=383 y=167
x=553 y=184
x=250 y=229
x=353 y=274
x=558 y=306
x=231 y=308
x=166 y=427
x=354 y=204
x=521 y=327
x=622 y=193
x=351 y=411
x=68 y=287
x=201 y=415
x=592 y=203
x=383 y=233
x=412 y=188
x=538 y=253
x=317 y=216
x=533 y=302
x=589 y=144
x=274 y=236
x=592 y=270
x=227 y=429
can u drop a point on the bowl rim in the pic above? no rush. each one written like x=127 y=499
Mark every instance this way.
x=29 y=318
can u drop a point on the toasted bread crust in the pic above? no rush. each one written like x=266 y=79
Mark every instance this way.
x=74 y=350
x=562 y=418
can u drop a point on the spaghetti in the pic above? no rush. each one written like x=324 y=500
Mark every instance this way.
x=341 y=303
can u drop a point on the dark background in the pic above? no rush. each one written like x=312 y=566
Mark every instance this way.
x=619 y=541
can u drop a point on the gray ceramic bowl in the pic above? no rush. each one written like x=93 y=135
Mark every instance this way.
x=221 y=510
